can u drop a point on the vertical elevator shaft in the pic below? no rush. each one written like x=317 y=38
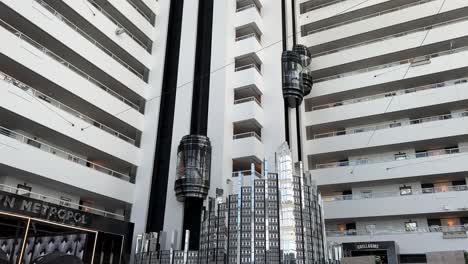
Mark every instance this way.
x=194 y=153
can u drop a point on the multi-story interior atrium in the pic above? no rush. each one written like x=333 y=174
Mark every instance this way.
x=120 y=117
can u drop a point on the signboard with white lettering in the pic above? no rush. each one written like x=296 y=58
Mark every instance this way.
x=23 y=205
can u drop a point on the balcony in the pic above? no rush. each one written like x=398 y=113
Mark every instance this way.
x=361 y=162
x=141 y=32
x=63 y=62
x=389 y=125
x=247 y=109
x=58 y=165
x=101 y=27
x=450 y=199
x=310 y=107
x=411 y=62
x=442 y=239
x=391 y=47
x=53 y=200
x=421 y=133
x=242 y=5
x=43 y=99
x=447 y=161
x=308 y=31
x=248 y=79
x=249 y=19
x=247 y=43
x=70 y=24
x=61 y=153
x=378 y=24
x=376 y=195
x=247 y=145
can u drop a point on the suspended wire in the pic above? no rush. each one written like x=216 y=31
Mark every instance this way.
x=402 y=78
x=231 y=63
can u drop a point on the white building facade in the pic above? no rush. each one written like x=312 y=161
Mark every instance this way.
x=79 y=104
x=385 y=124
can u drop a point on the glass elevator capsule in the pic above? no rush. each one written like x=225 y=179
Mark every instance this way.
x=292 y=68
x=306 y=81
x=193 y=167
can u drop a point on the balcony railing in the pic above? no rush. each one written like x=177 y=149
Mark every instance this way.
x=67 y=64
x=111 y=18
x=360 y=162
x=247 y=99
x=391 y=125
x=369 y=16
x=33 y=92
x=248 y=66
x=376 y=195
x=53 y=200
x=248 y=135
x=390 y=94
x=393 y=64
x=246 y=173
x=251 y=35
x=61 y=153
x=432 y=229
x=396 y=35
x=88 y=37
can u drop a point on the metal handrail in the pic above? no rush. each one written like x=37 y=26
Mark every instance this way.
x=359 y=162
x=249 y=36
x=369 y=16
x=247 y=135
x=60 y=202
x=53 y=150
x=88 y=37
x=322 y=5
x=400 y=34
x=390 y=94
x=139 y=11
x=248 y=66
x=391 y=125
x=391 y=64
x=432 y=229
x=247 y=99
x=376 y=195
x=33 y=92
x=98 y=7
x=67 y=64
x=246 y=173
